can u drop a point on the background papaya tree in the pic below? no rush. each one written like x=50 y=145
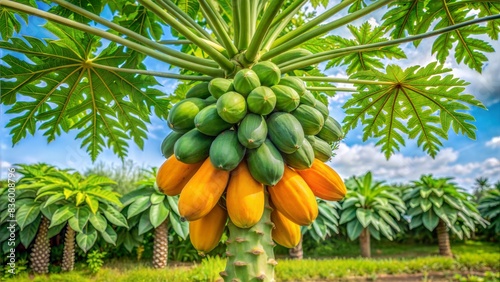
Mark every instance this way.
x=325 y=225
x=147 y=208
x=91 y=76
x=87 y=208
x=489 y=207
x=437 y=203
x=33 y=216
x=371 y=209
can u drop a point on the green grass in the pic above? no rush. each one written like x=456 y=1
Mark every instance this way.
x=470 y=257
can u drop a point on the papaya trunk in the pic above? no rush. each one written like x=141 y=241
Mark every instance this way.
x=68 y=262
x=364 y=243
x=250 y=255
x=443 y=239
x=40 y=254
x=160 y=246
x=297 y=252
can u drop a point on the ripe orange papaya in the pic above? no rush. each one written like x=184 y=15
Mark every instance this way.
x=244 y=197
x=294 y=199
x=205 y=233
x=285 y=231
x=173 y=175
x=324 y=182
x=202 y=192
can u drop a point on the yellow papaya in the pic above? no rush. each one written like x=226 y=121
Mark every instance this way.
x=294 y=199
x=173 y=175
x=285 y=232
x=324 y=181
x=244 y=197
x=202 y=192
x=205 y=233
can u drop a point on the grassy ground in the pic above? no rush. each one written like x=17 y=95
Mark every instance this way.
x=392 y=265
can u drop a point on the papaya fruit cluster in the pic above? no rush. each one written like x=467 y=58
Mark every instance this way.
x=236 y=136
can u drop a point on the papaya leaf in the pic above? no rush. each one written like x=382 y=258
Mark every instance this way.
x=93 y=6
x=9 y=19
x=61 y=89
x=417 y=102
x=489 y=9
x=402 y=17
x=360 y=61
x=468 y=48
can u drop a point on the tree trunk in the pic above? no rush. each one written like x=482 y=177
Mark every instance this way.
x=364 y=243
x=40 y=254
x=297 y=252
x=68 y=262
x=443 y=239
x=160 y=246
x=250 y=255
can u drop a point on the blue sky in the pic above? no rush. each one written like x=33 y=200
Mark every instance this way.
x=460 y=157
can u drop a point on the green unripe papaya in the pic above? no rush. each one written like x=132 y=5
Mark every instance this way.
x=311 y=119
x=192 y=147
x=308 y=99
x=232 y=107
x=219 y=86
x=303 y=158
x=252 y=131
x=287 y=98
x=200 y=90
x=266 y=164
x=208 y=121
x=167 y=146
x=269 y=74
x=294 y=82
x=245 y=81
x=261 y=100
x=322 y=108
x=285 y=132
x=322 y=150
x=331 y=131
x=211 y=100
x=181 y=116
x=226 y=152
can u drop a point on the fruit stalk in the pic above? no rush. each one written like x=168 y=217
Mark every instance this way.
x=250 y=255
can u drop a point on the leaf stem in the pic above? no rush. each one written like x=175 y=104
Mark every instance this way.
x=174 y=42
x=184 y=18
x=155 y=73
x=262 y=30
x=279 y=28
x=216 y=55
x=278 y=49
x=313 y=23
x=324 y=56
x=331 y=89
x=217 y=26
x=112 y=37
x=287 y=11
x=245 y=22
x=135 y=36
x=236 y=22
x=342 y=80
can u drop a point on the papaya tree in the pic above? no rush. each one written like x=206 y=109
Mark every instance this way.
x=371 y=209
x=252 y=95
x=489 y=207
x=34 y=217
x=439 y=204
x=147 y=208
x=87 y=208
x=325 y=225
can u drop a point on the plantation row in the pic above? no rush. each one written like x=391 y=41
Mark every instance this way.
x=51 y=203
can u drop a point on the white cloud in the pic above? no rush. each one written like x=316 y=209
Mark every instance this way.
x=358 y=159
x=494 y=142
